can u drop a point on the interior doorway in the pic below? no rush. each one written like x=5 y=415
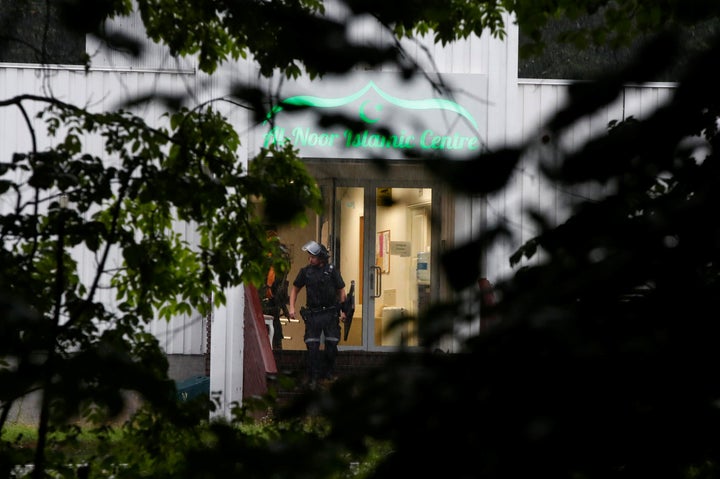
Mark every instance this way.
x=385 y=233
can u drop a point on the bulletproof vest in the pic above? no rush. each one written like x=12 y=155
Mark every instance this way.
x=320 y=286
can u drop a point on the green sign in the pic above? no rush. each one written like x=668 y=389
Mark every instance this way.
x=396 y=125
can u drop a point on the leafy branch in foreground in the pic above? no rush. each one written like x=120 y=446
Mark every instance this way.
x=122 y=205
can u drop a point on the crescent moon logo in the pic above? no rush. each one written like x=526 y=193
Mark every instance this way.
x=364 y=117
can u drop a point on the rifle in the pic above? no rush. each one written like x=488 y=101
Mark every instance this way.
x=283 y=298
x=349 y=308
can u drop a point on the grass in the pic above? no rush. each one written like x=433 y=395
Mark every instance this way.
x=73 y=442
x=21 y=434
x=74 y=445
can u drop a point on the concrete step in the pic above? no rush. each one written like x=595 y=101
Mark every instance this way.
x=291 y=364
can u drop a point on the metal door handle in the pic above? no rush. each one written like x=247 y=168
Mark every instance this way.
x=376 y=278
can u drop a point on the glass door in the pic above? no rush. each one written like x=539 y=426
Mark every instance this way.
x=349 y=209
x=384 y=239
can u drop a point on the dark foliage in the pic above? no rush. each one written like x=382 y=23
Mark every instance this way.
x=35 y=31
x=602 y=361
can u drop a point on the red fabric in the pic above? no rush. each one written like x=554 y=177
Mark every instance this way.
x=258 y=359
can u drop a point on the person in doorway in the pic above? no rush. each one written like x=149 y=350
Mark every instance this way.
x=274 y=295
x=325 y=290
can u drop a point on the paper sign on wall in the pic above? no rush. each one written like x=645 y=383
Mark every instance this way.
x=400 y=248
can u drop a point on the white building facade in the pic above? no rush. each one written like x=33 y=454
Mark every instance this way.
x=385 y=228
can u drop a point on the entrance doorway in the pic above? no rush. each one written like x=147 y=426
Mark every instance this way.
x=382 y=237
x=386 y=237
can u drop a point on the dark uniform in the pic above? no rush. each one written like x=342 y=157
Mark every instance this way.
x=274 y=298
x=321 y=316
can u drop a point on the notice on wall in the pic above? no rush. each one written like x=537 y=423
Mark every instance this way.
x=400 y=248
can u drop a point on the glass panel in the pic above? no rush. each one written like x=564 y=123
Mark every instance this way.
x=402 y=252
x=293 y=237
x=351 y=228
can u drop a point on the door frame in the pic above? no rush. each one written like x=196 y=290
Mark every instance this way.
x=365 y=286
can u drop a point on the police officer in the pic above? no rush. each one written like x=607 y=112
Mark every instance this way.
x=325 y=291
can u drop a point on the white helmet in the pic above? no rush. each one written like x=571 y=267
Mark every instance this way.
x=316 y=249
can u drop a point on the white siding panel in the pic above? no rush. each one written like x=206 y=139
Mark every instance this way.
x=100 y=90
x=480 y=54
x=534 y=103
x=153 y=56
x=551 y=99
x=182 y=334
x=633 y=104
x=10 y=117
x=460 y=57
x=641 y=101
x=226 y=356
x=527 y=177
x=500 y=81
x=516 y=112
